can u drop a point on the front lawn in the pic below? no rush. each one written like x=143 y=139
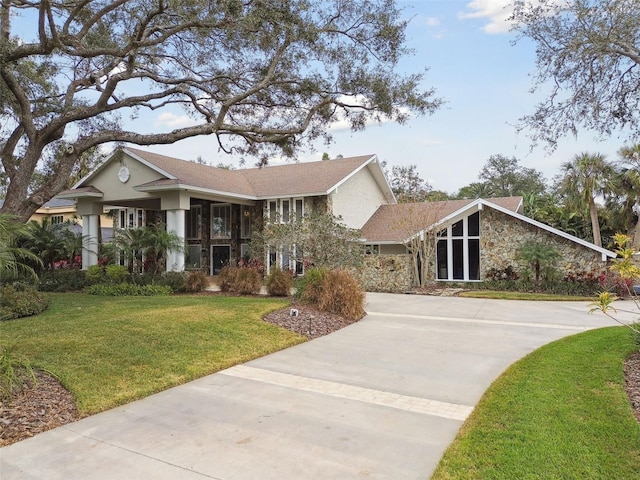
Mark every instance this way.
x=111 y=350
x=559 y=413
x=512 y=295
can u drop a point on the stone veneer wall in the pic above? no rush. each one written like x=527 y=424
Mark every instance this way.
x=386 y=273
x=501 y=235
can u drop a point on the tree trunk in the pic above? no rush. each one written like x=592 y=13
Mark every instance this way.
x=595 y=224
x=635 y=244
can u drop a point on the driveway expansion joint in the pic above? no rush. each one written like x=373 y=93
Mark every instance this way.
x=407 y=403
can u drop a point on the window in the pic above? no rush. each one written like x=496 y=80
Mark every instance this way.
x=193 y=222
x=57 y=219
x=458 y=250
x=286 y=204
x=131 y=218
x=372 y=249
x=245 y=223
x=245 y=252
x=299 y=206
x=193 y=260
x=273 y=211
x=221 y=221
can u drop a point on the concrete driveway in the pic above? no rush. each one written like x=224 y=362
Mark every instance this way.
x=380 y=399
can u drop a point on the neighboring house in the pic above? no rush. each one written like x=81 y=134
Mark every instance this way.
x=216 y=210
x=61 y=210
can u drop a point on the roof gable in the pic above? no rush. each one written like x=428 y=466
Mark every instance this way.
x=296 y=179
x=398 y=223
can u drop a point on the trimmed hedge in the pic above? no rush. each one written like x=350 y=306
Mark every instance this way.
x=128 y=289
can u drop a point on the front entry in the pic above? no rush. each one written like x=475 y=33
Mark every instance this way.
x=220 y=255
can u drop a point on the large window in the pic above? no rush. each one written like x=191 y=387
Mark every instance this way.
x=287 y=257
x=221 y=221
x=458 y=250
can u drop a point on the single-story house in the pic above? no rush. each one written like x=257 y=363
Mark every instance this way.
x=215 y=210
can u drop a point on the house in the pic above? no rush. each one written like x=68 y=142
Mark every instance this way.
x=471 y=239
x=215 y=211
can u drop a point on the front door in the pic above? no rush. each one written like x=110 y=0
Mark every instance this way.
x=220 y=255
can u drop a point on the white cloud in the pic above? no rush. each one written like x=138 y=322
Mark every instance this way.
x=496 y=11
x=432 y=22
x=172 y=120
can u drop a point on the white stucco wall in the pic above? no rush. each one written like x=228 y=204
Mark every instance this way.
x=357 y=199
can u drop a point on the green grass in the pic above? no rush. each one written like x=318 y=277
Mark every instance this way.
x=559 y=413
x=111 y=350
x=506 y=295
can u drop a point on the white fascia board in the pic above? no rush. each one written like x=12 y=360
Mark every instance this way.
x=290 y=195
x=148 y=164
x=347 y=177
x=191 y=188
x=476 y=205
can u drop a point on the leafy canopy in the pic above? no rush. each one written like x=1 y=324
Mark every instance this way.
x=262 y=76
x=588 y=56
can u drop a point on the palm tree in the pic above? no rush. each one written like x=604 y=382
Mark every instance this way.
x=583 y=179
x=50 y=241
x=160 y=243
x=13 y=259
x=148 y=245
x=630 y=188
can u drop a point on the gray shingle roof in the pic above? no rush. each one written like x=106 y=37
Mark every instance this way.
x=295 y=179
x=395 y=223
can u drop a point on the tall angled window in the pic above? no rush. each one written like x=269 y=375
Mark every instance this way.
x=458 y=250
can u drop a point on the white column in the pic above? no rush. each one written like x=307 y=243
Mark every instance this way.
x=171 y=227
x=89 y=240
x=175 y=224
x=93 y=239
x=180 y=231
x=85 y=242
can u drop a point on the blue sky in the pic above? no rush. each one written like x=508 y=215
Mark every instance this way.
x=486 y=83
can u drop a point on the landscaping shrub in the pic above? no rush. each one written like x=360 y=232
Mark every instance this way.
x=196 y=281
x=279 y=283
x=173 y=280
x=127 y=289
x=247 y=281
x=341 y=294
x=20 y=300
x=309 y=287
x=66 y=280
x=334 y=291
x=227 y=278
x=116 y=274
x=15 y=372
x=95 y=273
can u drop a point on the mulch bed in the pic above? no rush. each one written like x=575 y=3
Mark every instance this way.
x=37 y=408
x=47 y=404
